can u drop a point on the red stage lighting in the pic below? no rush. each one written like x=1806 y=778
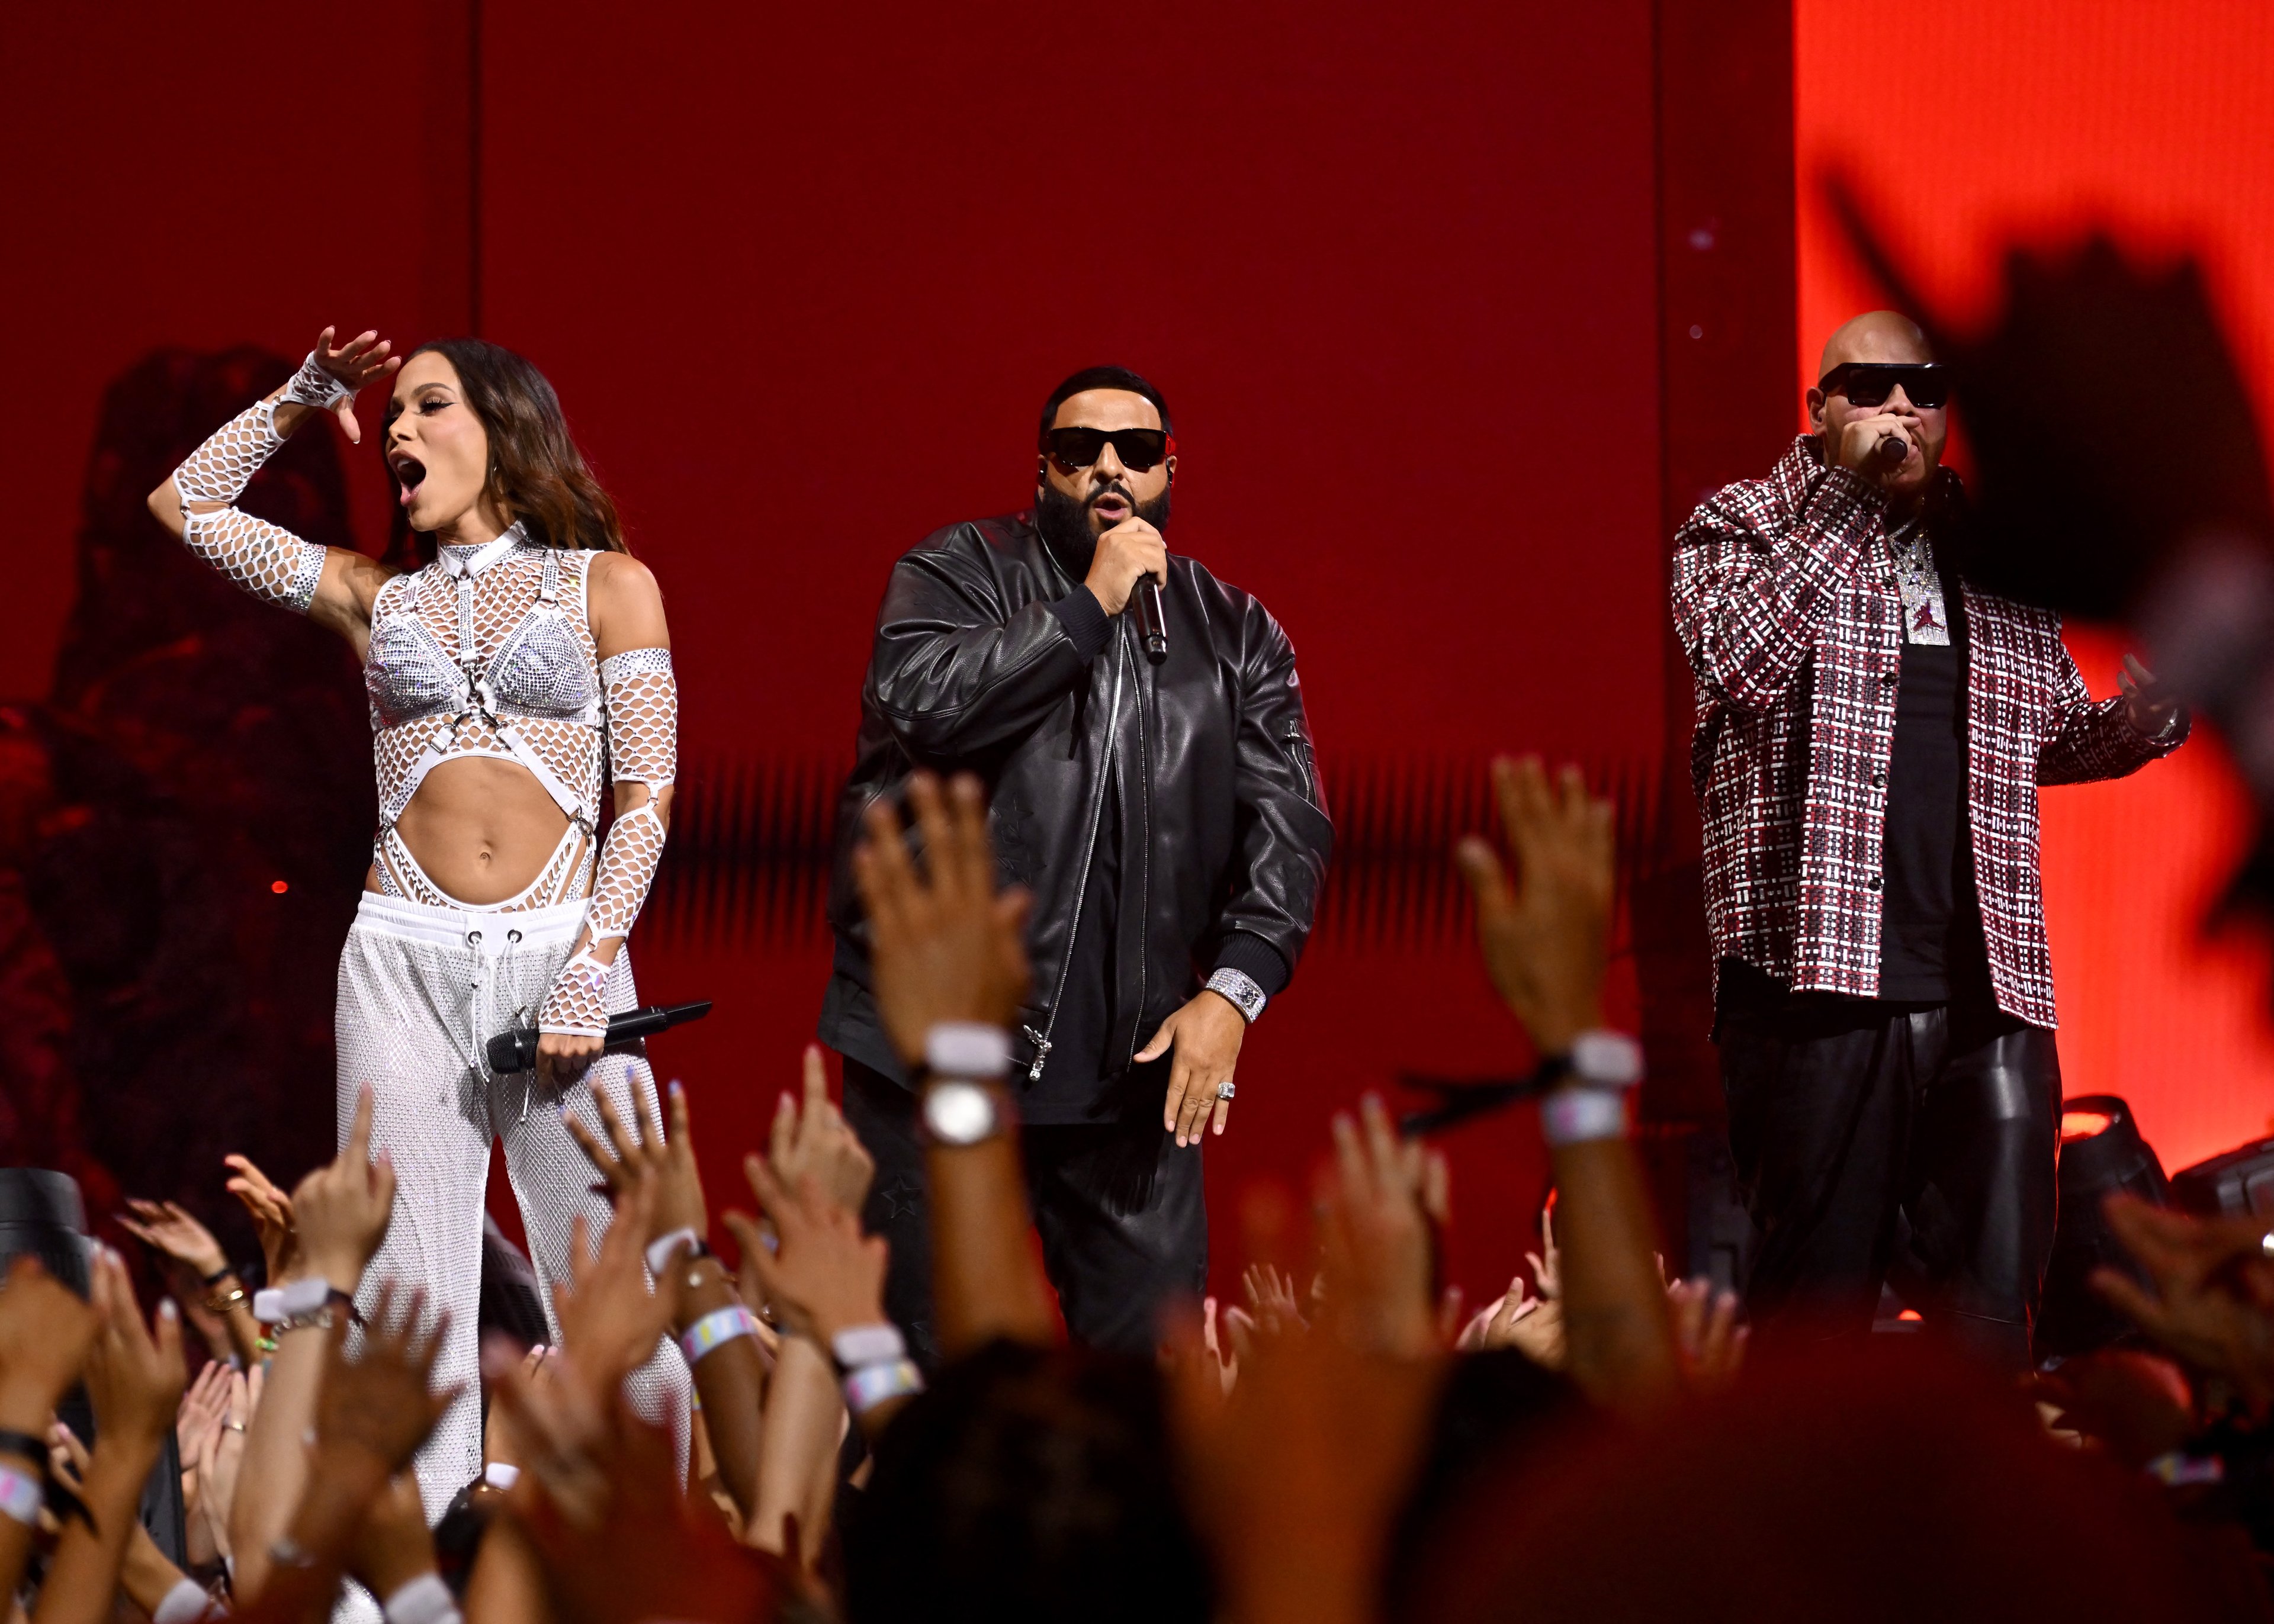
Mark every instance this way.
x=2083 y=1125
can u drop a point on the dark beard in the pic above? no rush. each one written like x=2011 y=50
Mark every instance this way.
x=1065 y=523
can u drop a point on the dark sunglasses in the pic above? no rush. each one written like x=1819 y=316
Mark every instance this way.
x=1869 y=383
x=1139 y=450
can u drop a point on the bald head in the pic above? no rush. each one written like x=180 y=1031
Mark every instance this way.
x=1882 y=336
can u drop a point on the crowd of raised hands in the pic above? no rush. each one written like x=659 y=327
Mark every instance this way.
x=1342 y=1443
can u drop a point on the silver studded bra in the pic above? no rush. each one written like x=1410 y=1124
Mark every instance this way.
x=487 y=651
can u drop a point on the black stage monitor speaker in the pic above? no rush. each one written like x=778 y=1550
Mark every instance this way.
x=2237 y=1182
x=2101 y=1153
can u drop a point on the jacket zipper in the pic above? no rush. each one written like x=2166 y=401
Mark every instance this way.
x=1299 y=747
x=1144 y=846
x=1042 y=1039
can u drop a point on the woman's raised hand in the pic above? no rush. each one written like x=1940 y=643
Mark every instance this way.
x=354 y=364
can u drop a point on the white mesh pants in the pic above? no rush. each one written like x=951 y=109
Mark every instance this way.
x=421 y=990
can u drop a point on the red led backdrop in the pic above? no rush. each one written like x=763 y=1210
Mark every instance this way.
x=802 y=275
x=1968 y=125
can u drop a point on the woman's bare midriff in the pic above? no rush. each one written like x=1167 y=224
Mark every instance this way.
x=483 y=829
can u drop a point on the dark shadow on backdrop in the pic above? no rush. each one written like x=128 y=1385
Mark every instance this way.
x=183 y=827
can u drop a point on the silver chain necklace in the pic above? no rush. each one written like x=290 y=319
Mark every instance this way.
x=1925 y=619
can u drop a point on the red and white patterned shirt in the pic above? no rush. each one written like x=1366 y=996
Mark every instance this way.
x=1786 y=602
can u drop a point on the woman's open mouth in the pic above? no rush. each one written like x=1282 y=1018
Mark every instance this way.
x=410 y=473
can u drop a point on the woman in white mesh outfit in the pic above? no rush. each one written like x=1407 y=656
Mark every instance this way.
x=500 y=676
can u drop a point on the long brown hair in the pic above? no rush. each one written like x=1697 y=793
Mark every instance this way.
x=537 y=475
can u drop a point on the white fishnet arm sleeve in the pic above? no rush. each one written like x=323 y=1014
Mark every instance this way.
x=266 y=560
x=641 y=699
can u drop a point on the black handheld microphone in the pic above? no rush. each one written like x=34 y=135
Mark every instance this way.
x=517 y=1050
x=1152 y=620
x=1893 y=450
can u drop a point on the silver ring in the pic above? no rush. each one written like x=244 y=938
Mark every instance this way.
x=1225 y=1091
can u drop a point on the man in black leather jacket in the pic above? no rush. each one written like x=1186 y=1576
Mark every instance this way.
x=1167 y=819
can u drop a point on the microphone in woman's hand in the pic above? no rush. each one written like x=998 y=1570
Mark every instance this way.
x=517 y=1050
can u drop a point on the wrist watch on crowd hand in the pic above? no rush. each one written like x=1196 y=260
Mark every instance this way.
x=959 y=1106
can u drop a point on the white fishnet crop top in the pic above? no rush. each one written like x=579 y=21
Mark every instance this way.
x=487 y=651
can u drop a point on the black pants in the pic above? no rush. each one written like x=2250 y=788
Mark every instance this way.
x=1120 y=1210
x=1845 y=1115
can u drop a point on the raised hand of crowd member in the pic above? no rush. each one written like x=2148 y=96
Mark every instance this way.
x=1294 y=1478
x=2210 y=1299
x=1373 y=1238
x=810 y=1137
x=371 y=1413
x=715 y=1328
x=1272 y=1300
x=219 y=1459
x=203 y=1406
x=1706 y=1336
x=146 y=1577
x=823 y=1276
x=600 y=1505
x=1545 y=931
x=1547 y=1262
x=1534 y=1325
x=640 y=1151
x=610 y=1321
x=196 y=1425
x=2134 y=1404
x=825 y=1279
x=945 y=948
x=134 y=1375
x=335 y=1219
x=177 y=1236
x=272 y=1216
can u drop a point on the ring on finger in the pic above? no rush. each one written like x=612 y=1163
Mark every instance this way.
x=1224 y=1090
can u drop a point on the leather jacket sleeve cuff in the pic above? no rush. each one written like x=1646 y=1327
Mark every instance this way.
x=1255 y=958
x=1085 y=620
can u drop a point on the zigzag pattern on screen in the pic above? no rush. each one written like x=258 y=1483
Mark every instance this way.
x=747 y=861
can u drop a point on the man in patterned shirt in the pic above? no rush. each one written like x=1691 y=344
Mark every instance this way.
x=1871 y=732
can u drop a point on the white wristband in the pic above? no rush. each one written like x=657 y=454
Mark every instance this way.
x=967 y=1048
x=874 y=1384
x=867 y=1344
x=186 y=1603
x=20 y=1496
x=659 y=1250
x=1607 y=1059
x=275 y=1305
x=1577 y=1115
x=424 y=1600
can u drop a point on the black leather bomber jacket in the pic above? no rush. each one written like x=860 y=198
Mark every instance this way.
x=980 y=664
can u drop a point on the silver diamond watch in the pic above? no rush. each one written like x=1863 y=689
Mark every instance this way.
x=1241 y=989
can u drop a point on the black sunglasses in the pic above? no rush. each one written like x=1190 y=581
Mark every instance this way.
x=1139 y=450
x=1869 y=383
